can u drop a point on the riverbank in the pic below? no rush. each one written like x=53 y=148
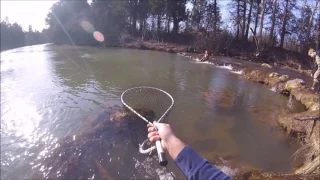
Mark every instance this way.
x=289 y=82
x=275 y=57
x=287 y=78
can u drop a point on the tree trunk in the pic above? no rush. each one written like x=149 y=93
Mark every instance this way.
x=215 y=18
x=249 y=19
x=141 y=26
x=318 y=33
x=168 y=25
x=273 y=22
x=175 y=25
x=284 y=24
x=134 y=23
x=158 y=23
x=311 y=20
x=133 y=7
x=244 y=19
x=261 y=20
x=256 y=20
x=238 y=19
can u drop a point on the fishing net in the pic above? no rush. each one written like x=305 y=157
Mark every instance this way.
x=149 y=104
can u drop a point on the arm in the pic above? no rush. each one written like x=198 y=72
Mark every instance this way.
x=190 y=163
x=195 y=167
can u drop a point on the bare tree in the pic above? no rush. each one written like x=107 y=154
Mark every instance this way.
x=238 y=19
x=311 y=20
x=249 y=19
x=284 y=23
x=257 y=17
x=261 y=20
x=318 y=32
x=273 y=21
x=244 y=6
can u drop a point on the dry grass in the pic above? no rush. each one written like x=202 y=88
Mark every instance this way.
x=312 y=153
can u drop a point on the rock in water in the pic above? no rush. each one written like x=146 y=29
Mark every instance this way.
x=266 y=65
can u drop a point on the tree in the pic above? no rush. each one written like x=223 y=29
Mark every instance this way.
x=258 y=10
x=157 y=9
x=238 y=18
x=177 y=10
x=287 y=19
x=244 y=11
x=310 y=23
x=263 y=7
x=249 y=20
x=133 y=8
x=198 y=12
x=143 y=11
x=12 y=35
x=317 y=34
x=300 y=28
x=273 y=21
x=234 y=8
x=213 y=18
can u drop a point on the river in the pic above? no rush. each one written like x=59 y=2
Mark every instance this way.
x=49 y=92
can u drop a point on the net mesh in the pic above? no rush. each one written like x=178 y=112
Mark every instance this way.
x=150 y=103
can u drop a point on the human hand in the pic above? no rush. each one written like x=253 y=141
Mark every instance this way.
x=170 y=143
x=160 y=131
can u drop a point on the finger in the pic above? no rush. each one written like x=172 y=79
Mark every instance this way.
x=153 y=134
x=152 y=129
x=156 y=124
x=153 y=139
x=149 y=125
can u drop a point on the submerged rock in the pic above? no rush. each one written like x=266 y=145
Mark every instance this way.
x=86 y=154
x=224 y=98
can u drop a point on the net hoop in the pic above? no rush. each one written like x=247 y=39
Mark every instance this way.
x=142 y=146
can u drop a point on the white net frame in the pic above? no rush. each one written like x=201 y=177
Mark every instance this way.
x=150 y=104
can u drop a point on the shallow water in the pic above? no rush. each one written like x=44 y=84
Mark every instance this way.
x=49 y=92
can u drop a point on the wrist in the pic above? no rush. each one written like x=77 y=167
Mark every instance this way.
x=174 y=146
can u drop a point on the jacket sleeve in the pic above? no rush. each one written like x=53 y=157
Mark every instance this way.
x=194 y=167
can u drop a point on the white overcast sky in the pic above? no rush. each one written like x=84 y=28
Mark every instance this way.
x=27 y=12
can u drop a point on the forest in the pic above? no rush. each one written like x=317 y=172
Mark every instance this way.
x=12 y=36
x=265 y=24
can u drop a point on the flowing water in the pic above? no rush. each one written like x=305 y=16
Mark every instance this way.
x=49 y=92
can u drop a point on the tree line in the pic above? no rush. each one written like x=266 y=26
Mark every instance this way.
x=268 y=23
x=13 y=36
x=289 y=24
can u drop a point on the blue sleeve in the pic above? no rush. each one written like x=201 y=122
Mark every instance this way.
x=194 y=167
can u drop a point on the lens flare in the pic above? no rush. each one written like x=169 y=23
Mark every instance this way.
x=98 y=36
x=87 y=26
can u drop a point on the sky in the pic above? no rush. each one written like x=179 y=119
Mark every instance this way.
x=27 y=12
